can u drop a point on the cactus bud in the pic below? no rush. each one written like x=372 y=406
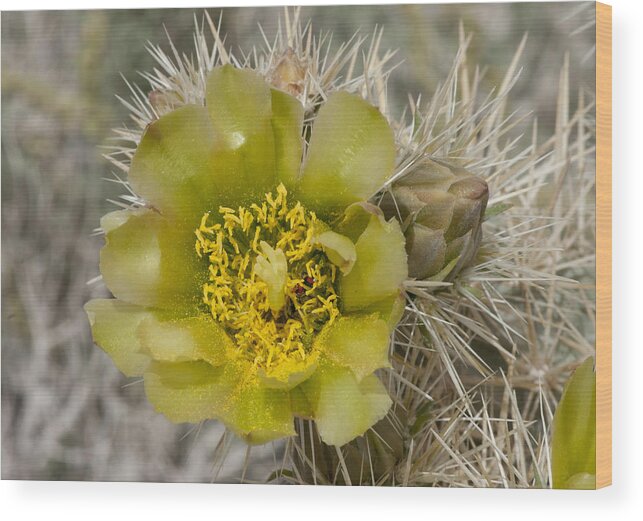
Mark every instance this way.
x=441 y=207
x=289 y=74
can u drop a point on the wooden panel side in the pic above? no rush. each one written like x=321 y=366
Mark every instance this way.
x=603 y=245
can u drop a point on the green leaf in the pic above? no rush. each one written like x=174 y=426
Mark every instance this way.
x=573 y=452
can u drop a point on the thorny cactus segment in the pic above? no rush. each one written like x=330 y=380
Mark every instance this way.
x=573 y=453
x=441 y=207
x=384 y=443
x=273 y=312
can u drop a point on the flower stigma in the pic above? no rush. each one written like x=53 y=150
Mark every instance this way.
x=270 y=283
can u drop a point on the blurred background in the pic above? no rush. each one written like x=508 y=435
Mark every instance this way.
x=67 y=413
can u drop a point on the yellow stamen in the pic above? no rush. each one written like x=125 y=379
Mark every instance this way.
x=244 y=253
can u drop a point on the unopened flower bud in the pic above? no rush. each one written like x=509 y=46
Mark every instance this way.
x=441 y=207
x=289 y=74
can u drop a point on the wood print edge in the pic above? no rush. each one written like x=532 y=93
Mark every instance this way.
x=603 y=245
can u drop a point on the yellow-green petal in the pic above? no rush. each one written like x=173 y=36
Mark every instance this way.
x=355 y=219
x=300 y=404
x=184 y=339
x=258 y=414
x=178 y=166
x=289 y=373
x=351 y=153
x=573 y=451
x=195 y=391
x=390 y=309
x=287 y=123
x=114 y=324
x=187 y=391
x=380 y=268
x=339 y=249
x=148 y=260
x=343 y=407
x=239 y=102
x=359 y=343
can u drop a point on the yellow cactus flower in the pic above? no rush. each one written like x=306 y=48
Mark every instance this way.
x=257 y=284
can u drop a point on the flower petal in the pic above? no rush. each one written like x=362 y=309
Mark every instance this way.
x=289 y=373
x=390 y=309
x=256 y=413
x=239 y=102
x=178 y=166
x=351 y=153
x=195 y=391
x=358 y=342
x=345 y=409
x=149 y=261
x=380 y=268
x=187 y=391
x=114 y=324
x=194 y=158
x=287 y=124
x=184 y=339
x=301 y=406
x=355 y=219
x=339 y=249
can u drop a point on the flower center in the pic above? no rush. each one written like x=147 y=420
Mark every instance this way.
x=269 y=284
